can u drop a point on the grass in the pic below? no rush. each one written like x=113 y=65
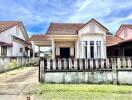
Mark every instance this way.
x=84 y=92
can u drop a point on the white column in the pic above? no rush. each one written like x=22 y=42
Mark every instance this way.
x=103 y=47
x=71 y=51
x=28 y=53
x=105 y=51
x=39 y=51
x=95 y=50
x=77 y=49
x=53 y=49
x=88 y=49
x=0 y=50
x=82 y=51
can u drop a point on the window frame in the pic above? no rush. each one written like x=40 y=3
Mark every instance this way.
x=98 y=45
x=3 y=50
x=92 y=49
x=21 y=50
x=85 y=44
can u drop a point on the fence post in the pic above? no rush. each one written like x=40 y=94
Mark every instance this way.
x=41 y=70
x=54 y=63
x=70 y=63
x=102 y=63
x=48 y=64
x=114 y=71
x=91 y=64
x=107 y=63
x=96 y=64
x=129 y=63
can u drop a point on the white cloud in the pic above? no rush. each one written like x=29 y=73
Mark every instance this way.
x=45 y=11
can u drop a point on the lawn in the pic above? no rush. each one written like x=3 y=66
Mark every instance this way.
x=84 y=92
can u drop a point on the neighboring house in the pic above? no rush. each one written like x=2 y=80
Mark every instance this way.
x=75 y=40
x=13 y=39
x=121 y=42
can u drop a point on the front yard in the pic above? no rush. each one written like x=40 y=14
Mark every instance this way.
x=84 y=92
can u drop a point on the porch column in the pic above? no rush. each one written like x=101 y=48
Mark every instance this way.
x=95 y=50
x=39 y=50
x=0 y=50
x=77 y=49
x=88 y=49
x=82 y=51
x=53 y=49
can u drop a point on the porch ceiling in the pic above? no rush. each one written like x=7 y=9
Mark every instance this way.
x=43 y=43
x=65 y=37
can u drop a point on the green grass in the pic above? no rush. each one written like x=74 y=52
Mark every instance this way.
x=84 y=92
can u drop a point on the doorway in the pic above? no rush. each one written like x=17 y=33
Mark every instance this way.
x=64 y=52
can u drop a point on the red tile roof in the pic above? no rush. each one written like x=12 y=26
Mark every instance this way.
x=39 y=38
x=68 y=28
x=6 y=44
x=112 y=40
x=64 y=28
x=127 y=25
x=4 y=25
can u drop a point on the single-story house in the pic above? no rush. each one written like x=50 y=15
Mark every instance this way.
x=75 y=40
x=85 y=40
x=14 y=40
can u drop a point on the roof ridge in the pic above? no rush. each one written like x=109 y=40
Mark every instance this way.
x=65 y=23
x=126 y=24
x=9 y=26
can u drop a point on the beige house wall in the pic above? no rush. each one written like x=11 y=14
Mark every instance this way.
x=63 y=44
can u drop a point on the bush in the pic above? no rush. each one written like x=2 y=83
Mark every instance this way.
x=12 y=64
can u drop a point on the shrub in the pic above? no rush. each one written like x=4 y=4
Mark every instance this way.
x=12 y=64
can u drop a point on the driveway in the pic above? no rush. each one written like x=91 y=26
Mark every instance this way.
x=17 y=84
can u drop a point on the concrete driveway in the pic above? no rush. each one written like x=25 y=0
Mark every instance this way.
x=17 y=84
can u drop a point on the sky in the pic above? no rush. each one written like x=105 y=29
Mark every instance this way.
x=36 y=15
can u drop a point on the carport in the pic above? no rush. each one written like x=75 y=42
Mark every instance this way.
x=122 y=49
x=40 y=41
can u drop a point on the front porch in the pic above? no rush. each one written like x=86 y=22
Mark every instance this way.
x=61 y=46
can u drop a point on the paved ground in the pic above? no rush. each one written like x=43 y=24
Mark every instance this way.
x=16 y=85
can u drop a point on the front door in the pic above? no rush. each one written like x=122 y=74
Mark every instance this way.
x=64 y=52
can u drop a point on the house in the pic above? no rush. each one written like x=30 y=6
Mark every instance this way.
x=121 y=42
x=74 y=40
x=13 y=39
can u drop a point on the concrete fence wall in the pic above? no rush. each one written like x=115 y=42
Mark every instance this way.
x=113 y=70
x=7 y=63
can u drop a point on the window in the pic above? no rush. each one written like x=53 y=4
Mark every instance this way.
x=98 y=43
x=85 y=48
x=91 y=49
x=3 y=51
x=21 y=50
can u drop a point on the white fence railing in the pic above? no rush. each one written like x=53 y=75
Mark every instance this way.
x=116 y=70
x=86 y=64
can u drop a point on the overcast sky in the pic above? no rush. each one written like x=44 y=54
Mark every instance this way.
x=38 y=14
